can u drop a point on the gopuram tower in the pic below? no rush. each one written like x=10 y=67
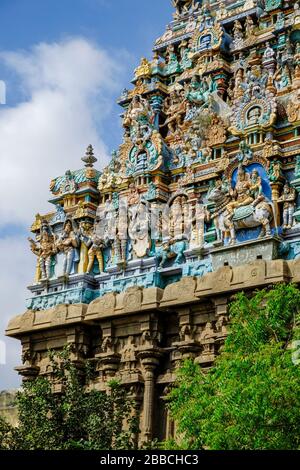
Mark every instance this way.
x=136 y=264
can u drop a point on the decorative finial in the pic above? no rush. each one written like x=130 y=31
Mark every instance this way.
x=89 y=159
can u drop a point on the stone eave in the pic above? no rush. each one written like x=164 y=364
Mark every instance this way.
x=136 y=300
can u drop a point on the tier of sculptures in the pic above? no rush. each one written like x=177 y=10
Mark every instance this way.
x=137 y=230
x=68 y=242
x=201 y=162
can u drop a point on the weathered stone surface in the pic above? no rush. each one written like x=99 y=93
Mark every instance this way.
x=249 y=251
x=59 y=315
x=179 y=293
x=210 y=155
x=141 y=335
x=8 y=409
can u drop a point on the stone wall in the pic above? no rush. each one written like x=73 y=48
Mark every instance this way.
x=140 y=336
x=8 y=409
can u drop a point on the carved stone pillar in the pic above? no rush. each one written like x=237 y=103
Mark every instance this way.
x=109 y=364
x=28 y=370
x=150 y=361
x=108 y=359
x=276 y=191
x=221 y=306
x=156 y=104
x=187 y=345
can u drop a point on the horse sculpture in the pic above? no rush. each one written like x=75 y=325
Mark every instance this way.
x=250 y=216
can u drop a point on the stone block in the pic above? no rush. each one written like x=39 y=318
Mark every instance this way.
x=242 y=253
x=180 y=293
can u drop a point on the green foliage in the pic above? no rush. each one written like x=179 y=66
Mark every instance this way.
x=58 y=413
x=250 y=399
x=6 y=435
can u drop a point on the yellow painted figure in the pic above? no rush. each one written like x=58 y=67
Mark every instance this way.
x=85 y=231
x=44 y=249
x=93 y=249
x=96 y=252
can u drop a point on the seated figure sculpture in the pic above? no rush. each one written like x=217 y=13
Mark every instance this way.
x=241 y=195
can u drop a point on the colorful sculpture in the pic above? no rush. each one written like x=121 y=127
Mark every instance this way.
x=94 y=245
x=67 y=243
x=45 y=249
x=288 y=199
x=243 y=207
x=209 y=157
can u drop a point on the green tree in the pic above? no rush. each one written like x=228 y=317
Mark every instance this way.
x=250 y=398
x=6 y=435
x=59 y=413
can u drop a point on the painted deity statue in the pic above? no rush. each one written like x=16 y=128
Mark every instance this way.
x=175 y=111
x=45 y=250
x=199 y=90
x=245 y=153
x=67 y=243
x=139 y=110
x=138 y=223
x=238 y=30
x=106 y=180
x=256 y=189
x=297 y=13
x=185 y=50
x=201 y=216
x=241 y=195
x=250 y=27
x=247 y=194
x=172 y=62
x=94 y=245
x=288 y=199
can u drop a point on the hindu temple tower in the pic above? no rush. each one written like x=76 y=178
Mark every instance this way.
x=136 y=264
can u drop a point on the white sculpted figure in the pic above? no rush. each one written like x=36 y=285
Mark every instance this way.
x=288 y=199
x=67 y=243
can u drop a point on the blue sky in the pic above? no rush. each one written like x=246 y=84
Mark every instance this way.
x=64 y=63
x=117 y=25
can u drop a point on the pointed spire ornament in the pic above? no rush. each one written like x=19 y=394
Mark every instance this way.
x=89 y=159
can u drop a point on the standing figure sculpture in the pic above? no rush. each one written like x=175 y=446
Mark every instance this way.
x=175 y=111
x=256 y=189
x=68 y=243
x=138 y=223
x=184 y=6
x=288 y=199
x=241 y=195
x=45 y=249
x=138 y=110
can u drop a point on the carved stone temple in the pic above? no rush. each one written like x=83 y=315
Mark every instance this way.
x=137 y=263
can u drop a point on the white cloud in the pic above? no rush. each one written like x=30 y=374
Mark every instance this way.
x=69 y=89
x=17 y=271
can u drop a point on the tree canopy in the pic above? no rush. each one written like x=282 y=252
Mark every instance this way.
x=57 y=412
x=250 y=398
